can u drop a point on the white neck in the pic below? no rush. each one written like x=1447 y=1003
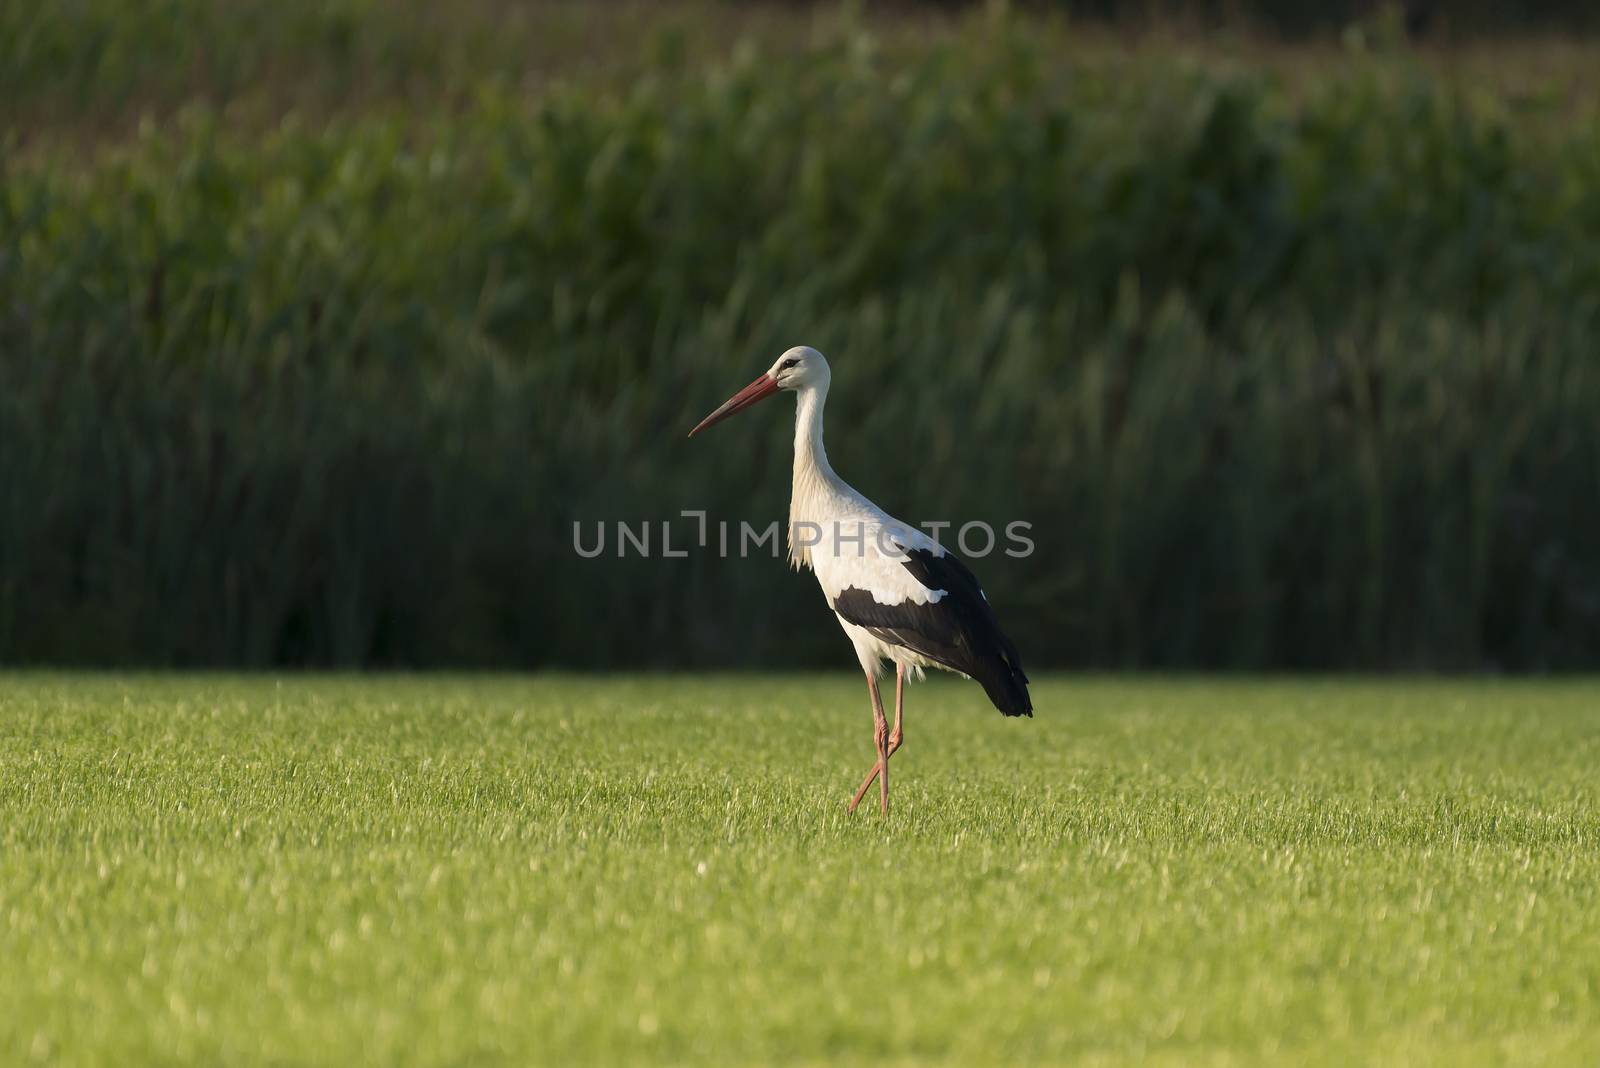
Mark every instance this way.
x=815 y=485
x=809 y=453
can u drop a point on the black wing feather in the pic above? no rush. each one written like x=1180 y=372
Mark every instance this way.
x=958 y=631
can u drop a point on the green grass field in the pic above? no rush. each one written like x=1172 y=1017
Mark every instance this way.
x=557 y=870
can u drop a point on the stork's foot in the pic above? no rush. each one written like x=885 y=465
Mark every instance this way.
x=866 y=784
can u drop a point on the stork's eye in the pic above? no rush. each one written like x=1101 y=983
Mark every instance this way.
x=786 y=364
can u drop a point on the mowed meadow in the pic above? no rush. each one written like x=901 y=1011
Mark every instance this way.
x=323 y=324
x=562 y=870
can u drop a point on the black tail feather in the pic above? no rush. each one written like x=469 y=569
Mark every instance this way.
x=1007 y=687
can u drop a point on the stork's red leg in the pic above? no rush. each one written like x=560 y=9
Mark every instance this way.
x=895 y=737
x=880 y=738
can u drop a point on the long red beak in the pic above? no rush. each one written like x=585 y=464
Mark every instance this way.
x=760 y=389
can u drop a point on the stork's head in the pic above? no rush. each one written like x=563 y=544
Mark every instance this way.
x=802 y=367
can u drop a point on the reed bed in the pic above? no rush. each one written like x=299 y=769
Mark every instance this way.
x=1284 y=374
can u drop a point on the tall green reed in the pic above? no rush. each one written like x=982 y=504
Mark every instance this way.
x=1281 y=380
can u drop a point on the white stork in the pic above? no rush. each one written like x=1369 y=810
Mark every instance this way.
x=898 y=593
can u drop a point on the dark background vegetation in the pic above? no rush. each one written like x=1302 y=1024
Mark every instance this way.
x=320 y=325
